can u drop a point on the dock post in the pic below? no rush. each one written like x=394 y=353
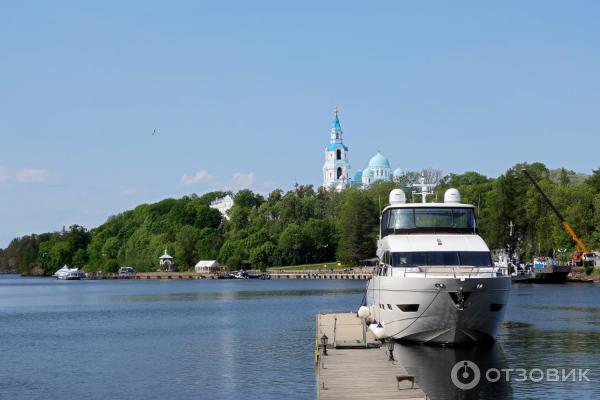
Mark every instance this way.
x=334 y=332
x=364 y=326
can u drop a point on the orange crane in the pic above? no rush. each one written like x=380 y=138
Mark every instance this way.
x=581 y=248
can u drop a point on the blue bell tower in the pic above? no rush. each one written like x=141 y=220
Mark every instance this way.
x=337 y=167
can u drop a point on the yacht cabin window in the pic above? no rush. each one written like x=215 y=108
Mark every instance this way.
x=441 y=258
x=408 y=220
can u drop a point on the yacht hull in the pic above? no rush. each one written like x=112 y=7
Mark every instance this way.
x=457 y=311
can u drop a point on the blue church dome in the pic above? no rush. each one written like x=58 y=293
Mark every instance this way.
x=357 y=176
x=398 y=172
x=379 y=161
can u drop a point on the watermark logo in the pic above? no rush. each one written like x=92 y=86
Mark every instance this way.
x=465 y=375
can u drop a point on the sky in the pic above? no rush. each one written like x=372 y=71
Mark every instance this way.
x=241 y=94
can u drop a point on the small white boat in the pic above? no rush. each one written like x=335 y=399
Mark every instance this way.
x=240 y=275
x=126 y=271
x=70 y=274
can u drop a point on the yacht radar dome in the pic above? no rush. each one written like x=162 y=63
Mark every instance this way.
x=452 y=196
x=397 y=196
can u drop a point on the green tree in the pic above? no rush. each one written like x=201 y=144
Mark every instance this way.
x=594 y=180
x=80 y=258
x=208 y=244
x=357 y=227
x=185 y=247
x=263 y=256
x=291 y=245
x=320 y=240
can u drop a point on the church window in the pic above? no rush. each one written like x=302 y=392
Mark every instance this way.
x=339 y=173
x=339 y=154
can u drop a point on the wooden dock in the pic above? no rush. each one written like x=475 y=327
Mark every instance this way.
x=356 y=367
x=269 y=275
x=151 y=275
x=320 y=275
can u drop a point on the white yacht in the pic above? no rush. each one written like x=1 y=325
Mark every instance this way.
x=70 y=274
x=435 y=282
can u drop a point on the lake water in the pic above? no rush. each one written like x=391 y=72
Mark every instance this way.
x=254 y=340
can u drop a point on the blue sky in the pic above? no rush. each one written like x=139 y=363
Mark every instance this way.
x=242 y=95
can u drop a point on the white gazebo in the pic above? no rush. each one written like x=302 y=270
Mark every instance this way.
x=166 y=262
x=207 y=266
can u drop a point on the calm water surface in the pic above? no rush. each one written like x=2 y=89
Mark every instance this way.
x=253 y=340
x=546 y=327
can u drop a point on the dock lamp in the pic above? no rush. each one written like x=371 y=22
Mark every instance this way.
x=390 y=346
x=324 y=340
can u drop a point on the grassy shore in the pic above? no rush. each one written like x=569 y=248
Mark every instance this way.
x=594 y=275
x=321 y=266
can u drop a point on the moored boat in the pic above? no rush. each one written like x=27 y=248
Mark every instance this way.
x=548 y=270
x=69 y=274
x=435 y=282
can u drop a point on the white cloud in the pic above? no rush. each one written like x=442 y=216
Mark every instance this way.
x=32 y=175
x=199 y=176
x=25 y=175
x=4 y=174
x=243 y=180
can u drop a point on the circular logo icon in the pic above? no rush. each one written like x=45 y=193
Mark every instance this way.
x=465 y=375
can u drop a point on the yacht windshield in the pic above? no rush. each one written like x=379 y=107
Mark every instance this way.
x=441 y=258
x=428 y=219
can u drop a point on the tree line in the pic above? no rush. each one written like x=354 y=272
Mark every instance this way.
x=307 y=225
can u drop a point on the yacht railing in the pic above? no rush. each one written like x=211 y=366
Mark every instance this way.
x=453 y=271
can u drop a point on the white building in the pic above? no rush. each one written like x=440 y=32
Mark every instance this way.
x=336 y=170
x=378 y=169
x=207 y=266
x=223 y=204
x=337 y=166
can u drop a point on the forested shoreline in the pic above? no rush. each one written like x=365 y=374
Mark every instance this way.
x=308 y=225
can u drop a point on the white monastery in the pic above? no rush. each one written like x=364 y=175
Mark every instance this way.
x=336 y=170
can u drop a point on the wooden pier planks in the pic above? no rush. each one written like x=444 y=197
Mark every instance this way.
x=357 y=372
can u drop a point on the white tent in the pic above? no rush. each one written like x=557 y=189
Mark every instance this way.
x=207 y=266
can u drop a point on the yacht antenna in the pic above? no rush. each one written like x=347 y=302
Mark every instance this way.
x=426 y=189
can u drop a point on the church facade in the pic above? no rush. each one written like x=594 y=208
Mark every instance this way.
x=336 y=169
x=337 y=166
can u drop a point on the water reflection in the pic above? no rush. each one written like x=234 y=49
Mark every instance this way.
x=229 y=295
x=432 y=367
x=180 y=339
x=547 y=327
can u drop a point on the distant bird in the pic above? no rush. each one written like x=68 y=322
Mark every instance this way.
x=154 y=132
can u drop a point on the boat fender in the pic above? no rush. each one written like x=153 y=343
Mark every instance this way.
x=378 y=330
x=363 y=312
